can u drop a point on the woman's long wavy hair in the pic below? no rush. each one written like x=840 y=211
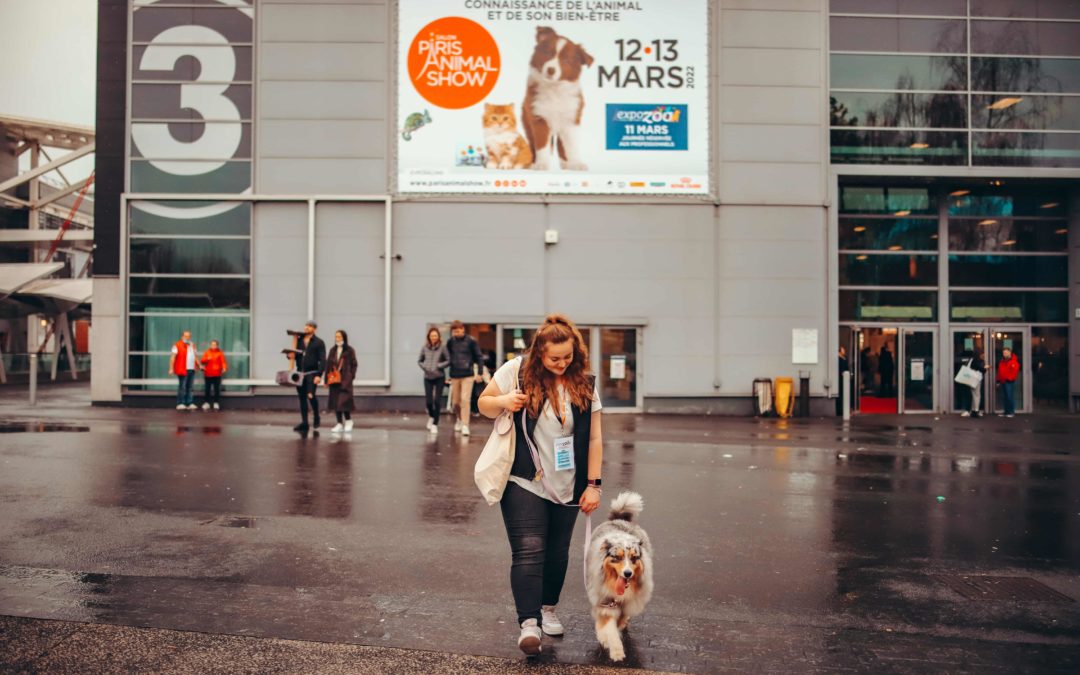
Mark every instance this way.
x=538 y=382
x=438 y=337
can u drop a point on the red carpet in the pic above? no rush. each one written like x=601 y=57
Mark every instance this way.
x=876 y=405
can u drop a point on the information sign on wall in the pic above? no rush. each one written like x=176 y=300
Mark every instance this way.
x=553 y=96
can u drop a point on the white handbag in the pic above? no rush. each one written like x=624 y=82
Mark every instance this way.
x=968 y=376
x=492 y=470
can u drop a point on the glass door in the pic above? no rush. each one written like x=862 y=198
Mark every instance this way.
x=617 y=368
x=917 y=390
x=990 y=344
x=875 y=351
x=967 y=345
x=1015 y=341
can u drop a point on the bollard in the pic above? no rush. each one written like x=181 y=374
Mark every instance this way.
x=804 y=393
x=33 y=379
x=846 y=393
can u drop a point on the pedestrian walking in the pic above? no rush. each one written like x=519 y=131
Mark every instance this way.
x=214 y=368
x=886 y=368
x=1008 y=370
x=434 y=358
x=972 y=401
x=845 y=367
x=183 y=364
x=311 y=364
x=556 y=404
x=466 y=369
x=340 y=372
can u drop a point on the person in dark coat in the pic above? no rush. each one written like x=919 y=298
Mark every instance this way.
x=845 y=366
x=434 y=358
x=342 y=359
x=309 y=356
x=886 y=367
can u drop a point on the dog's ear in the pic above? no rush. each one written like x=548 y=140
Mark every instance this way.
x=545 y=33
x=586 y=58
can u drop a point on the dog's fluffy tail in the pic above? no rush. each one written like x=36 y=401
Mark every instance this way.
x=626 y=506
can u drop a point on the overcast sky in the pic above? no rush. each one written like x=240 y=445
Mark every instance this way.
x=48 y=61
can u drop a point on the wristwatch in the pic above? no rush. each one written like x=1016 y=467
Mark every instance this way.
x=595 y=482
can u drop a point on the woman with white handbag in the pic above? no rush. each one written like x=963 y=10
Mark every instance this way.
x=550 y=396
x=972 y=371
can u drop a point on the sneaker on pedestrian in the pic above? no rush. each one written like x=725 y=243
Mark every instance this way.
x=205 y=406
x=965 y=414
x=303 y=426
x=348 y=426
x=465 y=430
x=181 y=406
x=337 y=428
x=217 y=406
x=1010 y=415
x=192 y=406
x=529 y=640
x=457 y=425
x=428 y=425
x=549 y=622
x=433 y=427
x=316 y=424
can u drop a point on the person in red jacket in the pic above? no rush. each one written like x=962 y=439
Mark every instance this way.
x=1008 y=369
x=214 y=366
x=183 y=363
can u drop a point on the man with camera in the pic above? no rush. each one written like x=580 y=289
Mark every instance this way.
x=309 y=357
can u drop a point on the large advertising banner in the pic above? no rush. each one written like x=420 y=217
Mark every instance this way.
x=553 y=97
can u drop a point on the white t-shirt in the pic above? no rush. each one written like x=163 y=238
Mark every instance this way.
x=190 y=355
x=548 y=428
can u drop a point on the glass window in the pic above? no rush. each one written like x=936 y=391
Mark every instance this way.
x=897 y=201
x=861 y=269
x=1050 y=364
x=1035 y=9
x=898 y=109
x=863 y=305
x=149 y=22
x=1007 y=234
x=187 y=133
x=1010 y=74
x=193 y=218
x=162 y=101
x=1017 y=202
x=859 y=34
x=1025 y=111
x=191 y=292
x=873 y=71
x=882 y=234
x=916 y=7
x=155 y=366
x=1008 y=270
x=1009 y=306
x=1037 y=38
x=190 y=256
x=224 y=177
x=158 y=332
x=188 y=69
x=1025 y=149
x=852 y=146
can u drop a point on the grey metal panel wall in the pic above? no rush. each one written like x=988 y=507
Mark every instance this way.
x=1074 y=298
x=323 y=99
x=279 y=281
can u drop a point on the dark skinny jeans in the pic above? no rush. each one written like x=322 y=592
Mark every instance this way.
x=433 y=389
x=539 y=531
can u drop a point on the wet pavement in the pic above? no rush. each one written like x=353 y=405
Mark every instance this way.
x=804 y=545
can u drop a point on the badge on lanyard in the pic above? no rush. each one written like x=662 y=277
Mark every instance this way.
x=564 y=453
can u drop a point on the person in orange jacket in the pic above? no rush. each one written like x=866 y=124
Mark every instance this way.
x=214 y=366
x=1008 y=370
x=183 y=363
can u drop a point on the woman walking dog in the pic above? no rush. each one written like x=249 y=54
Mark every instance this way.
x=554 y=401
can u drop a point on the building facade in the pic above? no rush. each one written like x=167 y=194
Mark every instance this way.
x=893 y=174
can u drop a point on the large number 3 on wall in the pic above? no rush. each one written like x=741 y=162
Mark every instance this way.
x=206 y=96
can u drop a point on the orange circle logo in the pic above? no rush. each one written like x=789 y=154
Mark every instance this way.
x=453 y=62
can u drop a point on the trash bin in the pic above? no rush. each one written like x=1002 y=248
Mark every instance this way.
x=763 y=397
x=785 y=394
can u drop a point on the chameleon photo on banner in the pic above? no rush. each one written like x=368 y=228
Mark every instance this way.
x=553 y=97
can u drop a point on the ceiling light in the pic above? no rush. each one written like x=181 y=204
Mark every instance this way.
x=902 y=213
x=1049 y=205
x=860 y=257
x=933 y=236
x=860 y=228
x=987 y=222
x=1008 y=242
x=920 y=146
x=1003 y=103
x=996 y=183
x=959 y=193
x=1063 y=230
x=896 y=247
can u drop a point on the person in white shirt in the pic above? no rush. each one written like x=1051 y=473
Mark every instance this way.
x=183 y=363
x=553 y=397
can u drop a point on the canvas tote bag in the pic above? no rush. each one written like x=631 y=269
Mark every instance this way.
x=968 y=376
x=492 y=469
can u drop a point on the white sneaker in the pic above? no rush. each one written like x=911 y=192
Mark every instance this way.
x=1010 y=416
x=965 y=414
x=465 y=430
x=336 y=429
x=192 y=406
x=549 y=623
x=529 y=640
x=428 y=425
x=181 y=407
x=205 y=406
x=217 y=406
x=457 y=425
x=348 y=426
x=432 y=427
